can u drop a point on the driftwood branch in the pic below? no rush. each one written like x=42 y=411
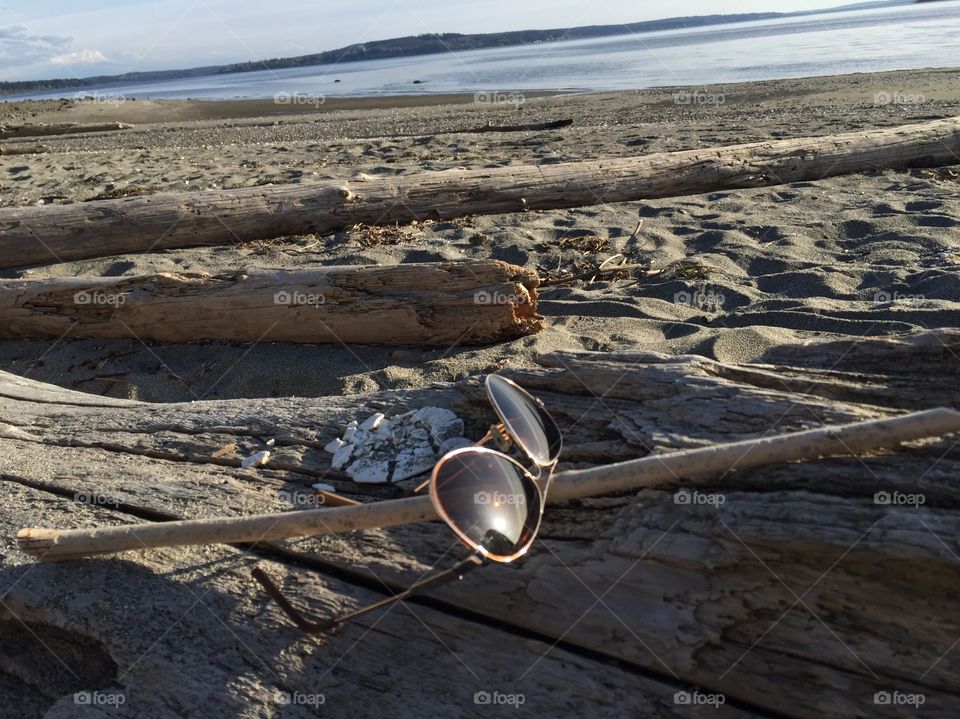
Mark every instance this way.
x=63 y=128
x=23 y=149
x=678 y=469
x=417 y=304
x=530 y=127
x=32 y=235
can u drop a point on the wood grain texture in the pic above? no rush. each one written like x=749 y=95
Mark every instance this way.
x=34 y=235
x=342 y=515
x=792 y=590
x=437 y=304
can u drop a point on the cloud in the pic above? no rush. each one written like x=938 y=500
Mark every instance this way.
x=79 y=57
x=19 y=46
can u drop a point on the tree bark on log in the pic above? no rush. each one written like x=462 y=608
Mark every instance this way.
x=434 y=304
x=33 y=235
x=803 y=590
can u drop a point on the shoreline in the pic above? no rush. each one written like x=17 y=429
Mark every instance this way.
x=196 y=109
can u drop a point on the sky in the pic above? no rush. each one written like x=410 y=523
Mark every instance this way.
x=66 y=38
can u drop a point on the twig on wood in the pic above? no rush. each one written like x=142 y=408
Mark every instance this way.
x=687 y=468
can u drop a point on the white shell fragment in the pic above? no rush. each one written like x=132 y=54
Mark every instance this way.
x=323 y=487
x=342 y=455
x=372 y=422
x=380 y=450
x=257 y=459
x=334 y=445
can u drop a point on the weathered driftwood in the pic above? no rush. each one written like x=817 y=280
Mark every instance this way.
x=794 y=590
x=59 y=128
x=528 y=127
x=33 y=235
x=684 y=469
x=23 y=149
x=417 y=304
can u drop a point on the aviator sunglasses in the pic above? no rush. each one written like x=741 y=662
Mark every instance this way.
x=492 y=502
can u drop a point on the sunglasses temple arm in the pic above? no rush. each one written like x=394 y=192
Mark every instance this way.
x=309 y=627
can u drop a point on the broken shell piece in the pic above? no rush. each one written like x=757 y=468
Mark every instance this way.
x=334 y=445
x=323 y=487
x=413 y=461
x=372 y=422
x=369 y=471
x=342 y=456
x=384 y=450
x=257 y=459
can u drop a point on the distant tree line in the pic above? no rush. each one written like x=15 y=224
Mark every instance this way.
x=427 y=44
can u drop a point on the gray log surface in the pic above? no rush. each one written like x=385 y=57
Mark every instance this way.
x=792 y=590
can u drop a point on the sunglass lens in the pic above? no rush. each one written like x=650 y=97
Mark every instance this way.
x=490 y=499
x=526 y=420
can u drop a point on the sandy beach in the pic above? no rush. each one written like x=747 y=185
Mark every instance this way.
x=752 y=443
x=855 y=256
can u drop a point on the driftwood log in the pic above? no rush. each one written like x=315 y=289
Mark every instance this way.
x=60 y=128
x=529 y=127
x=444 y=303
x=695 y=466
x=32 y=235
x=814 y=589
x=23 y=149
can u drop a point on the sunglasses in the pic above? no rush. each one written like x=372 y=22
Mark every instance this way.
x=492 y=503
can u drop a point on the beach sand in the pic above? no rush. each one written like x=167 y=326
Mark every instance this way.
x=862 y=255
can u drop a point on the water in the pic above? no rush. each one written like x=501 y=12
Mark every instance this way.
x=905 y=37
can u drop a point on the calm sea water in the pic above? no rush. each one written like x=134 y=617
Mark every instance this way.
x=906 y=37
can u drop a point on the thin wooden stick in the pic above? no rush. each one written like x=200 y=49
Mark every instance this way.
x=686 y=468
